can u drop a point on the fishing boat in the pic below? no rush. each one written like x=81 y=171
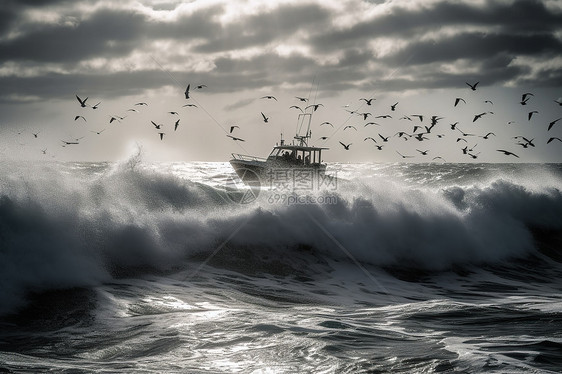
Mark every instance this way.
x=285 y=160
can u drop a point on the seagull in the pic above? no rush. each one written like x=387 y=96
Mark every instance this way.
x=142 y=103
x=487 y=135
x=488 y=102
x=82 y=102
x=345 y=146
x=96 y=106
x=326 y=123
x=315 y=106
x=161 y=135
x=176 y=125
x=297 y=107
x=438 y=158
x=115 y=118
x=365 y=115
x=69 y=143
x=424 y=153
x=524 y=97
x=553 y=138
x=371 y=123
x=370 y=138
x=458 y=99
x=478 y=116
x=463 y=139
x=393 y=107
x=453 y=125
x=323 y=138
x=302 y=99
x=531 y=114
x=265 y=119
x=419 y=116
x=384 y=116
x=406 y=117
x=235 y=138
x=158 y=127
x=233 y=127
x=174 y=113
x=552 y=123
x=191 y=105
x=269 y=97
x=98 y=132
x=379 y=147
x=368 y=101
x=75 y=118
x=404 y=156
x=558 y=102
x=507 y=153
x=187 y=92
x=132 y=110
x=472 y=86
x=44 y=151
x=383 y=138
x=350 y=126
x=200 y=86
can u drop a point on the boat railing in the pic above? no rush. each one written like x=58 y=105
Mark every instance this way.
x=238 y=156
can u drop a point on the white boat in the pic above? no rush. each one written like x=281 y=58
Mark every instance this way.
x=284 y=160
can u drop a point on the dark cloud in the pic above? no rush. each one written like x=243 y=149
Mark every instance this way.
x=261 y=29
x=521 y=16
x=477 y=46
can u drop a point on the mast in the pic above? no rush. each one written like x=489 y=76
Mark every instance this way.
x=303 y=129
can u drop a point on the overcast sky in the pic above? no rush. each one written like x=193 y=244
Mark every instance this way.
x=417 y=53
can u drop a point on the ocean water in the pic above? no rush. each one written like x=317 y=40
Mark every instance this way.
x=135 y=267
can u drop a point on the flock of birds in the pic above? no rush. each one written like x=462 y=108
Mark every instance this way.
x=423 y=127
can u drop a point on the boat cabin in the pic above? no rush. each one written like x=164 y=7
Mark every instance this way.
x=296 y=155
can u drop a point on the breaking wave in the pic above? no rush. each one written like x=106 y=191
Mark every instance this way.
x=78 y=225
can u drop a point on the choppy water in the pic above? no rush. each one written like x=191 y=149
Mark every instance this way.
x=153 y=268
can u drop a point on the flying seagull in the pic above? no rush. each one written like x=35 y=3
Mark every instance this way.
x=326 y=123
x=158 y=127
x=200 y=86
x=553 y=138
x=507 y=153
x=315 y=106
x=345 y=146
x=161 y=135
x=404 y=156
x=269 y=97
x=235 y=138
x=393 y=107
x=96 y=106
x=552 y=123
x=531 y=114
x=75 y=118
x=350 y=127
x=302 y=99
x=472 y=86
x=176 y=125
x=265 y=119
x=459 y=99
x=187 y=91
x=233 y=127
x=368 y=101
x=191 y=105
x=82 y=102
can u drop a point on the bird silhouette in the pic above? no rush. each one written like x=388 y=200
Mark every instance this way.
x=404 y=156
x=531 y=114
x=161 y=135
x=142 y=104
x=233 y=127
x=190 y=105
x=487 y=135
x=346 y=147
x=472 y=86
x=553 y=138
x=315 y=106
x=350 y=127
x=367 y=138
x=424 y=153
x=393 y=107
x=174 y=113
x=478 y=116
x=235 y=138
x=296 y=107
x=176 y=125
x=265 y=119
x=371 y=123
x=368 y=101
x=82 y=102
x=269 y=97
x=326 y=123
x=96 y=106
x=559 y=102
x=158 y=127
x=302 y=99
x=187 y=91
x=459 y=99
x=384 y=139
x=75 y=118
x=552 y=123
x=384 y=116
x=200 y=86
x=507 y=153
x=98 y=132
